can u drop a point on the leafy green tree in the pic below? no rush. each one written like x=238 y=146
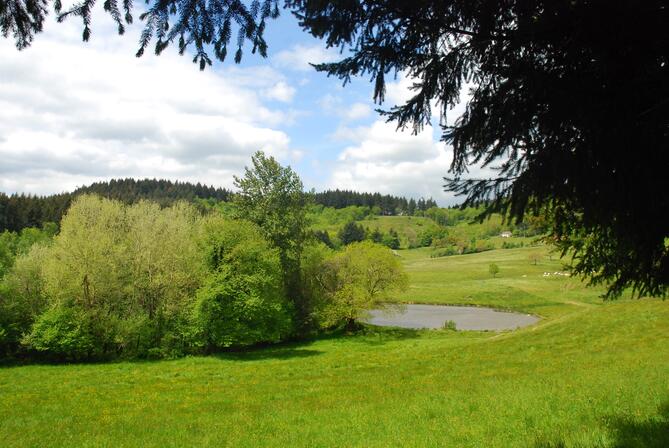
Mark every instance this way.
x=165 y=262
x=22 y=298
x=351 y=233
x=87 y=265
x=65 y=332
x=128 y=273
x=362 y=277
x=242 y=301
x=313 y=261
x=7 y=251
x=273 y=197
x=493 y=269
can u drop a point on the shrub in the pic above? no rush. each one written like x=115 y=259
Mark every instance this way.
x=22 y=299
x=242 y=301
x=64 y=332
x=449 y=325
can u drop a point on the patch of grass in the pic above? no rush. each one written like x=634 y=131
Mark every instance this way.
x=590 y=374
x=520 y=285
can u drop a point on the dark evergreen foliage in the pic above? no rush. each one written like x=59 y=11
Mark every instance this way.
x=199 y=25
x=569 y=101
x=22 y=19
x=324 y=237
x=19 y=211
x=388 y=204
x=351 y=233
x=392 y=240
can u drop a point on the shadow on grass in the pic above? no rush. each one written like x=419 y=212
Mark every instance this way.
x=260 y=354
x=651 y=433
x=627 y=432
x=293 y=349
x=373 y=335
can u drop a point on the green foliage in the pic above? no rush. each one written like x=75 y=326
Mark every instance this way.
x=242 y=301
x=351 y=233
x=450 y=325
x=324 y=237
x=361 y=277
x=22 y=298
x=65 y=332
x=391 y=240
x=13 y=244
x=493 y=269
x=312 y=267
x=376 y=236
x=129 y=272
x=272 y=197
x=20 y=211
x=321 y=217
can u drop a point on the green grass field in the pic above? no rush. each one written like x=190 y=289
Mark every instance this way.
x=589 y=374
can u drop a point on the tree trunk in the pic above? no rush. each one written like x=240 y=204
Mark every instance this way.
x=351 y=325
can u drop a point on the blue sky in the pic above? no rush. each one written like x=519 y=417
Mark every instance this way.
x=72 y=113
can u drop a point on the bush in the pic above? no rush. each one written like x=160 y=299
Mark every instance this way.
x=22 y=299
x=65 y=332
x=449 y=325
x=242 y=301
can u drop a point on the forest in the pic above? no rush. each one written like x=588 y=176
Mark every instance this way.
x=18 y=211
x=137 y=280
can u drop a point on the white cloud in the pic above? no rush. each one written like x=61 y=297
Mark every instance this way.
x=72 y=113
x=395 y=162
x=300 y=56
x=399 y=92
x=280 y=92
x=382 y=142
x=334 y=105
x=356 y=111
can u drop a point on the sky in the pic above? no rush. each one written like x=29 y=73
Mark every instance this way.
x=72 y=113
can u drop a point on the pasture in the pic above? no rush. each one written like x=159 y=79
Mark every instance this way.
x=589 y=374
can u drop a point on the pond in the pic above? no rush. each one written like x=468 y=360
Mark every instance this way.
x=465 y=318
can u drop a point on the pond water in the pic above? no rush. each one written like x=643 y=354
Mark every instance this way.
x=465 y=318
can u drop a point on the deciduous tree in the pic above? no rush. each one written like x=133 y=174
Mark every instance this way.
x=273 y=197
x=362 y=277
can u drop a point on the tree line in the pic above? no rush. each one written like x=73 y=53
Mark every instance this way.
x=19 y=211
x=388 y=204
x=144 y=281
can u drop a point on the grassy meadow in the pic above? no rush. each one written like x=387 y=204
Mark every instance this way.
x=589 y=374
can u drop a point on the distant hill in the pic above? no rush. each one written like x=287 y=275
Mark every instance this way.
x=18 y=211
x=388 y=204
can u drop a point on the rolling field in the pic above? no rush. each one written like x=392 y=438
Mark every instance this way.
x=589 y=374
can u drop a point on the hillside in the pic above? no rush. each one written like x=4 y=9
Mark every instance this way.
x=18 y=211
x=589 y=374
